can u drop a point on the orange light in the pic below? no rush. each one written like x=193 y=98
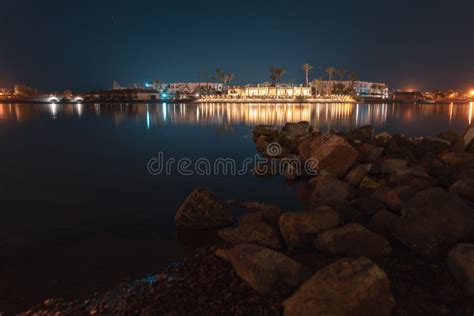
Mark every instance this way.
x=472 y=93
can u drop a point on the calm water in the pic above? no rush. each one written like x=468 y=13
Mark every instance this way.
x=79 y=211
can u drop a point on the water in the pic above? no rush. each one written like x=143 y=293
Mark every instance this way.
x=80 y=213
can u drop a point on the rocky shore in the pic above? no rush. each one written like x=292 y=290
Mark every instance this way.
x=388 y=229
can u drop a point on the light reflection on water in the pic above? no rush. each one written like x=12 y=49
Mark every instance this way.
x=404 y=118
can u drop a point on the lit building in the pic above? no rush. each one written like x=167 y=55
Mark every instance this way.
x=360 y=88
x=269 y=92
x=124 y=95
x=190 y=87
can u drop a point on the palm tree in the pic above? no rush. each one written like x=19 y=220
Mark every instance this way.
x=276 y=73
x=157 y=84
x=340 y=73
x=330 y=71
x=307 y=68
x=228 y=77
x=352 y=77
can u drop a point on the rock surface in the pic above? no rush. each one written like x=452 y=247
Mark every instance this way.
x=353 y=240
x=370 y=153
x=259 y=233
x=395 y=198
x=347 y=287
x=356 y=175
x=300 y=228
x=464 y=188
x=329 y=190
x=202 y=210
x=461 y=265
x=264 y=269
x=332 y=152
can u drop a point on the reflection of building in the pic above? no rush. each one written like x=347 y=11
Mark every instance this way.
x=270 y=92
x=190 y=87
x=124 y=95
x=361 y=88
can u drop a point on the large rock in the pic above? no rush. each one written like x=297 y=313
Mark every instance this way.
x=464 y=187
x=433 y=221
x=202 y=210
x=329 y=190
x=351 y=286
x=395 y=198
x=367 y=205
x=292 y=130
x=457 y=159
x=369 y=153
x=259 y=233
x=413 y=177
x=300 y=228
x=461 y=265
x=401 y=147
x=393 y=165
x=353 y=240
x=332 y=152
x=356 y=175
x=469 y=136
x=363 y=133
x=259 y=212
x=264 y=269
x=369 y=185
x=436 y=146
x=265 y=130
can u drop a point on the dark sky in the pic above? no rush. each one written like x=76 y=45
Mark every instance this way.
x=81 y=45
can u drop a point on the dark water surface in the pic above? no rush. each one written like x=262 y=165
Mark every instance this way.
x=80 y=213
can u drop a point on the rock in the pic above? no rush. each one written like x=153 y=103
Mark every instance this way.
x=395 y=198
x=413 y=177
x=259 y=233
x=351 y=286
x=292 y=130
x=262 y=143
x=392 y=165
x=332 y=152
x=433 y=221
x=300 y=228
x=384 y=223
x=329 y=189
x=202 y=210
x=449 y=136
x=468 y=135
x=401 y=147
x=464 y=187
x=265 y=130
x=269 y=214
x=353 y=240
x=457 y=159
x=369 y=184
x=461 y=265
x=370 y=153
x=356 y=175
x=264 y=269
x=470 y=147
x=363 y=133
x=436 y=146
x=369 y=206
x=384 y=136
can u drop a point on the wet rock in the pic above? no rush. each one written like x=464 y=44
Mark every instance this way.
x=393 y=165
x=369 y=206
x=259 y=233
x=369 y=153
x=436 y=146
x=351 y=286
x=395 y=198
x=264 y=269
x=202 y=210
x=464 y=188
x=433 y=221
x=259 y=212
x=356 y=175
x=368 y=184
x=300 y=228
x=457 y=159
x=329 y=189
x=265 y=130
x=363 y=133
x=353 y=240
x=461 y=265
x=332 y=152
x=413 y=177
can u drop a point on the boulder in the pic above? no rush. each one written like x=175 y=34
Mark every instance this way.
x=401 y=147
x=384 y=136
x=353 y=240
x=332 y=152
x=468 y=135
x=433 y=221
x=202 y=210
x=262 y=143
x=369 y=153
x=356 y=175
x=413 y=177
x=368 y=184
x=464 y=187
x=395 y=198
x=259 y=212
x=436 y=146
x=259 y=233
x=264 y=269
x=384 y=223
x=265 y=130
x=363 y=133
x=449 y=136
x=392 y=165
x=367 y=205
x=329 y=189
x=351 y=286
x=292 y=130
x=300 y=228
x=457 y=159
x=461 y=265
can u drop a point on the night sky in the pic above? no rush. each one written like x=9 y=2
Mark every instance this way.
x=82 y=45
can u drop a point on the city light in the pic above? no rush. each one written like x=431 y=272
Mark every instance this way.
x=472 y=93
